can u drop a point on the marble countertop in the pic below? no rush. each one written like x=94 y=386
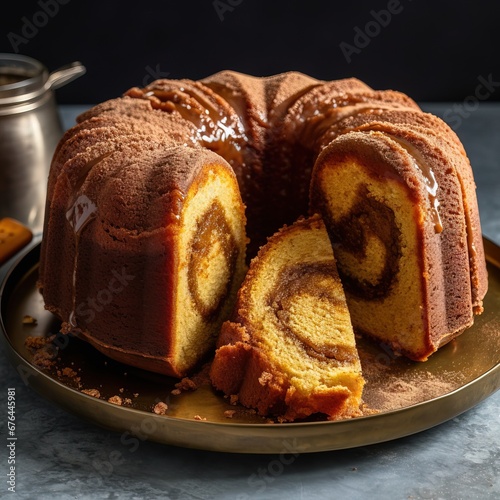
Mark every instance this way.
x=58 y=455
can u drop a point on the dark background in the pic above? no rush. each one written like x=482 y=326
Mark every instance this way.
x=434 y=51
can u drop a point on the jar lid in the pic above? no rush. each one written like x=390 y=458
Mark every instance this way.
x=22 y=79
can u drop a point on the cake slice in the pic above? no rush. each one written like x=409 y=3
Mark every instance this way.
x=290 y=350
x=393 y=204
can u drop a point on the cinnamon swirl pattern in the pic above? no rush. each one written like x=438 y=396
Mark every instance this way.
x=289 y=350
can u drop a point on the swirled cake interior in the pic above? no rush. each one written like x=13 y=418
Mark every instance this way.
x=290 y=348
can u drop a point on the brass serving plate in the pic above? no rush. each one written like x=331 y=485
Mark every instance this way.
x=456 y=378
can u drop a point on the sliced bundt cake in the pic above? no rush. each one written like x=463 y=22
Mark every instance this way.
x=152 y=185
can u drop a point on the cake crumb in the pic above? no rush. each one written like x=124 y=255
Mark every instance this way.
x=192 y=383
x=265 y=378
x=186 y=384
x=197 y=417
x=43 y=358
x=229 y=413
x=127 y=401
x=160 y=408
x=33 y=343
x=29 y=320
x=69 y=372
x=136 y=394
x=116 y=400
x=233 y=399
x=44 y=352
x=120 y=390
x=92 y=392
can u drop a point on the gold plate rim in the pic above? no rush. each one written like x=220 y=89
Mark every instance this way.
x=237 y=437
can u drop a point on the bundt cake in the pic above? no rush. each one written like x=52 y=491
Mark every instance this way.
x=144 y=239
x=289 y=349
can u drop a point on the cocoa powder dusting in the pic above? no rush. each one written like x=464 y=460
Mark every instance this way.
x=391 y=384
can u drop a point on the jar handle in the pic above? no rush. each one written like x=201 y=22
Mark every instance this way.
x=64 y=75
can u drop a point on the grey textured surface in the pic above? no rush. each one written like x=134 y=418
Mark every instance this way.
x=61 y=456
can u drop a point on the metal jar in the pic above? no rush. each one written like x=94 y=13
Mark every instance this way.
x=30 y=129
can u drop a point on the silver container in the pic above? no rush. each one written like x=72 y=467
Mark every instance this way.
x=30 y=129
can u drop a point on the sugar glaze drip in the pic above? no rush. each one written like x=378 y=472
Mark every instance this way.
x=81 y=211
x=79 y=215
x=431 y=184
